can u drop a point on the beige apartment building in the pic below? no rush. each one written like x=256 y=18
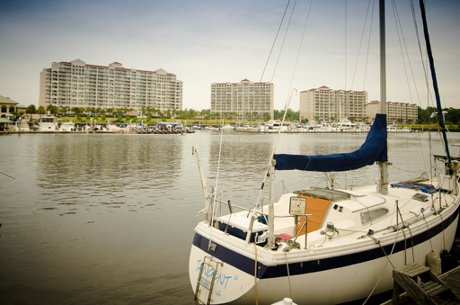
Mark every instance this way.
x=77 y=84
x=245 y=99
x=331 y=105
x=397 y=112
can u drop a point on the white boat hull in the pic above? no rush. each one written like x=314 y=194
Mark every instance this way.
x=338 y=279
x=230 y=281
x=348 y=283
x=47 y=127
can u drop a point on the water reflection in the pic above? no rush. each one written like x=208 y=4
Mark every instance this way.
x=243 y=163
x=110 y=170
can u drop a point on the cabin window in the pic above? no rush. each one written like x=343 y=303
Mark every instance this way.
x=369 y=216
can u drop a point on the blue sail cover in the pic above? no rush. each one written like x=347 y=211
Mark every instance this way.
x=373 y=149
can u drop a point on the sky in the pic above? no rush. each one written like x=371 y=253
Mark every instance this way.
x=327 y=42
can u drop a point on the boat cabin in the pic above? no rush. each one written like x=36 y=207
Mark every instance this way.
x=316 y=210
x=342 y=209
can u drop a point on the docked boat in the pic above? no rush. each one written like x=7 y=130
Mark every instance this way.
x=247 y=128
x=396 y=128
x=347 y=126
x=273 y=126
x=22 y=125
x=326 y=245
x=113 y=128
x=67 y=127
x=47 y=123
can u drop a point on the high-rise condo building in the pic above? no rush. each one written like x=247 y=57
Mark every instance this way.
x=244 y=99
x=330 y=105
x=77 y=84
x=397 y=112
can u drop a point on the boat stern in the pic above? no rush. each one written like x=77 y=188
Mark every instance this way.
x=213 y=280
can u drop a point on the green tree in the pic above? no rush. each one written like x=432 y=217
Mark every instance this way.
x=77 y=111
x=41 y=110
x=291 y=115
x=453 y=115
x=424 y=115
x=63 y=110
x=52 y=109
x=31 y=109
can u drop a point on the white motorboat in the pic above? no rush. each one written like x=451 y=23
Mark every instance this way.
x=273 y=126
x=396 y=128
x=67 y=127
x=47 y=123
x=326 y=245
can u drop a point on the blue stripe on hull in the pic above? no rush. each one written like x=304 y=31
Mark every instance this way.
x=246 y=264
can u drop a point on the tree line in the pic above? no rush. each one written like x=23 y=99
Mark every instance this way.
x=428 y=115
x=147 y=112
x=425 y=116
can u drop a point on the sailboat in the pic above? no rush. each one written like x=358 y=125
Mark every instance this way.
x=327 y=245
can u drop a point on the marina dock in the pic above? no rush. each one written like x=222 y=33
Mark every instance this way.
x=420 y=286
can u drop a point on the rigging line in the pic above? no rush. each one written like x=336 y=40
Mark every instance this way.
x=284 y=39
x=430 y=151
x=427 y=227
x=383 y=249
x=368 y=44
x=406 y=170
x=290 y=93
x=384 y=268
x=418 y=138
x=274 y=41
x=289 y=275
x=360 y=44
x=402 y=42
x=8 y=175
x=417 y=34
x=443 y=229
x=259 y=195
x=403 y=49
x=398 y=213
x=217 y=182
x=412 y=243
x=435 y=85
x=298 y=56
x=346 y=43
x=286 y=105
x=376 y=284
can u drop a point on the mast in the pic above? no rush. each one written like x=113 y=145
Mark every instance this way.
x=271 y=207
x=382 y=186
x=435 y=83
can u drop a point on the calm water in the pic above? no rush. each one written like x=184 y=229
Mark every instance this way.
x=108 y=219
